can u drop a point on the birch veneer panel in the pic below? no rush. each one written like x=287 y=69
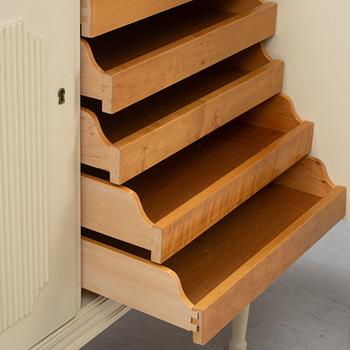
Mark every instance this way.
x=169 y=205
x=131 y=63
x=205 y=285
x=136 y=138
x=101 y=16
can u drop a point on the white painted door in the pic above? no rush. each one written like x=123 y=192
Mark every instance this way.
x=39 y=169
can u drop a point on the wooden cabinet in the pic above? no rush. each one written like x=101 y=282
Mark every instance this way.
x=197 y=188
x=197 y=192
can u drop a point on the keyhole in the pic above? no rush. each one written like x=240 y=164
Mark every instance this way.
x=61 y=96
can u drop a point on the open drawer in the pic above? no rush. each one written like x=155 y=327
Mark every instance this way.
x=124 y=66
x=136 y=138
x=205 y=285
x=172 y=203
x=102 y=16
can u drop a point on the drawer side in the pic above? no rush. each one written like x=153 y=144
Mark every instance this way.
x=147 y=287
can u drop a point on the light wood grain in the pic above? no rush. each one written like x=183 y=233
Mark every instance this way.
x=208 y=207
x=96 y=150
x=117 y=275
x=93 y=78
x=102 y=16
x=250 y=157
x=227 y=267
x=141 y=67
x=235 y=6
x=219 y=307
x=109 y=211
x=274 y=115
x=145 y=134
x=209 y=213
x=309 y=175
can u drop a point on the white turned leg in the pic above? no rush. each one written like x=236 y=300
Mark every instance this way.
x=239 y=331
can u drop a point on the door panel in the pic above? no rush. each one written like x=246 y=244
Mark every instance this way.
x=39 y=188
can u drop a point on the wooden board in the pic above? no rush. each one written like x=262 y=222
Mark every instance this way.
x=136 y=138
x=226 y=268
x=175 y=201
x=129 y=64
x=102 y=16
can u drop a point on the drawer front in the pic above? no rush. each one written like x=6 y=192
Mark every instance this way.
x=188 y=290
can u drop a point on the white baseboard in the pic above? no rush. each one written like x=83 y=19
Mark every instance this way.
x=98 y=314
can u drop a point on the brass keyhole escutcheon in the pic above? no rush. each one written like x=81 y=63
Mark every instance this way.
x=61 y=96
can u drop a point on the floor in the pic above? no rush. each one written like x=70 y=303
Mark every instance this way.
x=307 y=309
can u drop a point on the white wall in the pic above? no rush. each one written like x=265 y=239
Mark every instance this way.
x=313 y=38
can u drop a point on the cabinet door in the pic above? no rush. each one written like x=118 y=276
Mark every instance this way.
x=39 y=188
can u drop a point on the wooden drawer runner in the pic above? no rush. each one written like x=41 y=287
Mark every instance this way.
x=125 y=66
x=205 y=285
x=136 y=138
x=169 y=205
x=102 y=16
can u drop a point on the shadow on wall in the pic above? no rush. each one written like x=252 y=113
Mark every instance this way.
x=312 y=38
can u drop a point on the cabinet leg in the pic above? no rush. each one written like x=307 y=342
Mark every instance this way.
x=239 y=331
